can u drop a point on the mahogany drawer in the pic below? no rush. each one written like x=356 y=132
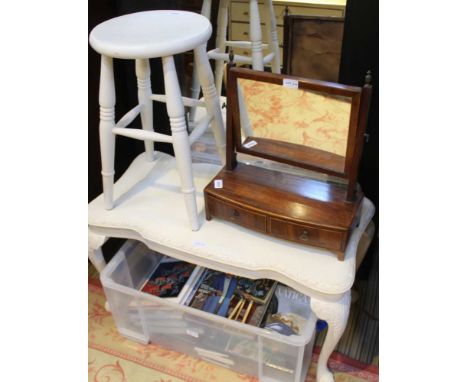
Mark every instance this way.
x=334 y=240
x=241 y=216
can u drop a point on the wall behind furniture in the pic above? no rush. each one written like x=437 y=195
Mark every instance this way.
x=360 y=52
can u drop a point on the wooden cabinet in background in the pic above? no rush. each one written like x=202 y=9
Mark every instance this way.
x=239 y=16
x=312 y=46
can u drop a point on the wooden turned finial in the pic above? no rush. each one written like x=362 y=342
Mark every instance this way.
x=228 y=67
x=368 y=78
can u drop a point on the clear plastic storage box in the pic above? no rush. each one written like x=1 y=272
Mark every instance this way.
x=145 y=318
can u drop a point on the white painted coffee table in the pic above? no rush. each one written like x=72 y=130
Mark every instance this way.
x=148 y=208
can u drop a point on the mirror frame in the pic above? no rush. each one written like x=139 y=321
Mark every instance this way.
x=360 y=102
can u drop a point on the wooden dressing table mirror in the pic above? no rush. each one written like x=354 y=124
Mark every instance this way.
x=314 y=125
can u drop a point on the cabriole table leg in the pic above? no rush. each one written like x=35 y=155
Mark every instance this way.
x=335 y=313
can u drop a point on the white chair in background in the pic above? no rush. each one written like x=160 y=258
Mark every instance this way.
x=254 y=43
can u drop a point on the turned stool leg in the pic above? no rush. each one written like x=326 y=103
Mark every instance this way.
x=221 y=32
x=273 y=37
x=256 y=36
x=175 y=110
x=205 y=11
x=211 y=99
x=143 y=73
x=107 y=123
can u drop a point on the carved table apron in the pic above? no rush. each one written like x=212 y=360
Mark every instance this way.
x=148 y=208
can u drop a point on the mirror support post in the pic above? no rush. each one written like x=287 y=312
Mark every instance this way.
x=231 y=160
x=364 y=107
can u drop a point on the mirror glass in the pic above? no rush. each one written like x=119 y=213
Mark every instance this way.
x=294 y=124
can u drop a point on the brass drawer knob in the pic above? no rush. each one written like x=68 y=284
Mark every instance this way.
x=235 y=214
x=304 y=235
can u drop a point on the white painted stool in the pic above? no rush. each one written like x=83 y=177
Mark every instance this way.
x=255 y=44
x=142 y=36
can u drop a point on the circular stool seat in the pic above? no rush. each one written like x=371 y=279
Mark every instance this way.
x=150 y=34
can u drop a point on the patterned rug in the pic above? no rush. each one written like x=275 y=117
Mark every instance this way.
x=113 y=358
